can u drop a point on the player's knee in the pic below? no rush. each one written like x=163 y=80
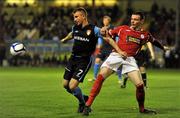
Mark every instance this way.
x=72 y=87
x=140 y=87
x=73 y=84
x=105 y=72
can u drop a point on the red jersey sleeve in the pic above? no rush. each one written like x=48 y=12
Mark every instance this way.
x=115 y=31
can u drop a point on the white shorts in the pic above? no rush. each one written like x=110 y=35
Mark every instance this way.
x=114 y=61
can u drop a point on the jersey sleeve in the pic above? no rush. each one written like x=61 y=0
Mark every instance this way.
x=97 y=32
x=151 y=38
x=155 y=42
x=114 y=32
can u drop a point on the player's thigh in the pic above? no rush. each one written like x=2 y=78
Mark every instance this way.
x=106 y=72
x=69 y=69
x=135 y=77
x=82 y=67
x=142 y=69
x=67 y=77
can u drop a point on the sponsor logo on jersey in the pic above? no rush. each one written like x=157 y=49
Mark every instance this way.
x=88 y=32
x=132 y=39
x=81 y=38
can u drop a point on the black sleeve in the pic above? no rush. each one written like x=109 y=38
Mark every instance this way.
x=155 y=42
x=158 y=44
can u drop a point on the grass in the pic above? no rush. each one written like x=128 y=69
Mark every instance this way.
x=38 y=93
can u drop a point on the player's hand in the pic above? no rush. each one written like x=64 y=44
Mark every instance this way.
x=152 y=59
x=63 y=40
x=103 y=31
x=124 y=55
x=166 y=48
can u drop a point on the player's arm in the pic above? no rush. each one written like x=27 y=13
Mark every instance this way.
x=157 y=43
x=115 y=46
x=100 y=43
x=98 y=46
x=107 y=38
x=68 y=37
x=151 y=49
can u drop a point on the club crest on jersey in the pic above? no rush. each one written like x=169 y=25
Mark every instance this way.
x=88 y=32
x=142 y=36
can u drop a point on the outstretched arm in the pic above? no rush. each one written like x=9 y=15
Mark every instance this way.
x=68 y=37
x=157 y=43
x=151 y=49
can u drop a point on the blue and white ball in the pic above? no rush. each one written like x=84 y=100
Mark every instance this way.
x=17 y=49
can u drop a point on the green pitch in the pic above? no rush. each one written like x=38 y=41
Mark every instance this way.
x=38 y=93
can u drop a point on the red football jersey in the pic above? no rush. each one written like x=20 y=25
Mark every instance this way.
x=130 y=40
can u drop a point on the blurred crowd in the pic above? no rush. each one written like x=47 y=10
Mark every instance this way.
x=52 y=24
x=56 y=22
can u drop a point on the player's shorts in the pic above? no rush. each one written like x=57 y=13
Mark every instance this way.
x=103 y=55
x=114 y=61
x=77 y=68
x=142 y=58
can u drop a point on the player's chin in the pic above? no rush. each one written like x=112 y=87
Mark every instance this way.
x=77 y=23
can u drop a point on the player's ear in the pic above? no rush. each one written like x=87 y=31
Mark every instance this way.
x=83 y=16
x=142 y=21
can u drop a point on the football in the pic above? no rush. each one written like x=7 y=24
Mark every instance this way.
x=17 y=49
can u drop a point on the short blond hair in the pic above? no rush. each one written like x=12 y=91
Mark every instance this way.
x=107 y=17
x=81 y=9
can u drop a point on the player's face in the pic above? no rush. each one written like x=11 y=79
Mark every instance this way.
x=78 y=18
x=136 y=21
x=106 y=22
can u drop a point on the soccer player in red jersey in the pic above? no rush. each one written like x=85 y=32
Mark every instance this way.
x=131 y=39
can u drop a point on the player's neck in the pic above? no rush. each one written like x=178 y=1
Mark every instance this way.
x=136 y=28
x=85 y=23
x=107 y=25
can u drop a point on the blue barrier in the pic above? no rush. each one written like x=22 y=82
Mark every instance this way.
x=44 y=46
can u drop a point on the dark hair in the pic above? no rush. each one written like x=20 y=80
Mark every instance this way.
x=81 y=9
x=141 y=14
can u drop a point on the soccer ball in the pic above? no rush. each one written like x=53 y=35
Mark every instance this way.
x=17 y=49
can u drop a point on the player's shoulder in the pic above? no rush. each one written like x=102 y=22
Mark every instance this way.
x=146 y=33
x=143 y=30
x=92 y=25
x=125 y=26
x=122 y=27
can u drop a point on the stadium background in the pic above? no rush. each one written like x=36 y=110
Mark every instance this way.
x=40 y=24
x=30 y=85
